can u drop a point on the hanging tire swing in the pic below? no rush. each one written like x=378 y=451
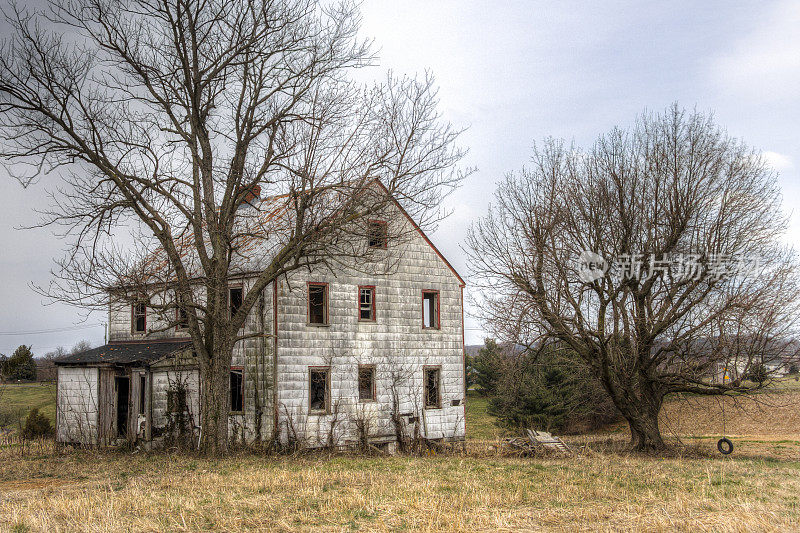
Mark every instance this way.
x=724 y=445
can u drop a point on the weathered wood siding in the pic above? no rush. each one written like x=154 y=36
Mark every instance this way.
x=77 y=400
x=396 y=344
x=255 y=357
x=120 y=320
x=106 y=407
x=165 y=380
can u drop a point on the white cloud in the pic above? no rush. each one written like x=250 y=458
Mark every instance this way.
x=766 y=62
x=778 y=161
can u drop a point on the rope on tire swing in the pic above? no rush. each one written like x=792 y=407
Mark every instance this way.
x=724 y=445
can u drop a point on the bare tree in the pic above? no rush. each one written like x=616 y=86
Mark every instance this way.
x=80 y=346
x=655 y=256
x=166 y=117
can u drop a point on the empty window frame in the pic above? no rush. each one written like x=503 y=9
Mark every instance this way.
x=139 y=317
x=235 y=298
x=318 y=304
x=142 y=392
x=176 y=400
x=430 y=309
x=366 y=303
x=181 y=319
x=237 y=390
x=432 y=387
x=377 y=234
x=366 y=383
x=319 y=386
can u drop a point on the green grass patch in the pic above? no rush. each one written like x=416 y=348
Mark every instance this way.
x=480 y=424
x=17 y=399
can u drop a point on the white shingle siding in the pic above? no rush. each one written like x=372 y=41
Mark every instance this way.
x=120 y=320
x=165 y=380
x=255 y=356
x=395 y=343
x=77 y=405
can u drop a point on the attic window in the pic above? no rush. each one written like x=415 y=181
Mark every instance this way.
x=234 y=299
x=366 y=303
x=366 y=383
x=319 y=383
x=432 y=388
x=378 y=234
x=430 y=309
x=318 y=304
x=237 y=390
x=139 y=317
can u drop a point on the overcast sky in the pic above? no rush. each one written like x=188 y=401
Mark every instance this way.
x=514 y=73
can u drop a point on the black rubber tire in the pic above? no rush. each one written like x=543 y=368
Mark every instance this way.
x=724 y=446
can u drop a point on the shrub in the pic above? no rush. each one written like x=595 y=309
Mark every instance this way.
x=553 y=390
x=36 y=425
x=758 y=374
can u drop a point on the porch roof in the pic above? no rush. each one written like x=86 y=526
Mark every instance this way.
x=124 y=353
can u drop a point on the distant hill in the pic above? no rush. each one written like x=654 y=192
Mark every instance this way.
x=472 y=349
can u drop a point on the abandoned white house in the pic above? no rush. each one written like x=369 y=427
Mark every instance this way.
x=337 y=355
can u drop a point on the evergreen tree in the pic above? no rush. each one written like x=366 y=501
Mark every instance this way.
x=487 y=367
x=20 y=366
x=549 y=391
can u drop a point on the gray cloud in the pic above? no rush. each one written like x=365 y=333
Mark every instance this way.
x=515 y=72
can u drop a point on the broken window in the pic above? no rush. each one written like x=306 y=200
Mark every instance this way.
x=140 y=317
x=234 y=299
x=377 y=234
x=318 y=388
x=237 y=390
x=366 y=382
x=318 y=303
x=432 y=390
x=366 y=303
x=430 y=309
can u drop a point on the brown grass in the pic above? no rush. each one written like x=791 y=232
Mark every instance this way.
x=85 y=491
x=604 y=487
x=769 y=414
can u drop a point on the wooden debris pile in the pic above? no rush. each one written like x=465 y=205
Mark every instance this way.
x=538 y=443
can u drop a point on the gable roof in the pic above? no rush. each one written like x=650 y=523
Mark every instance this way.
x=124 y=353
x=260 y=238
x=422 y=233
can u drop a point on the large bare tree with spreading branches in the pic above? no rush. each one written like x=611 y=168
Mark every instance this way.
x=164 y=117
x=654 y=256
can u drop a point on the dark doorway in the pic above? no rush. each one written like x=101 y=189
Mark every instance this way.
x=123 y=386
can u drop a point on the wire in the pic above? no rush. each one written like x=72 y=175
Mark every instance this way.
x=53 y=330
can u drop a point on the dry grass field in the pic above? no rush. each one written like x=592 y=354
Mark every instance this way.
x=602 y=488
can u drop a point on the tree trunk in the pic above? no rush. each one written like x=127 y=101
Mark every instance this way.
x=642 y=417
x=214 y=393
x=645 y=434
x=639 y=403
